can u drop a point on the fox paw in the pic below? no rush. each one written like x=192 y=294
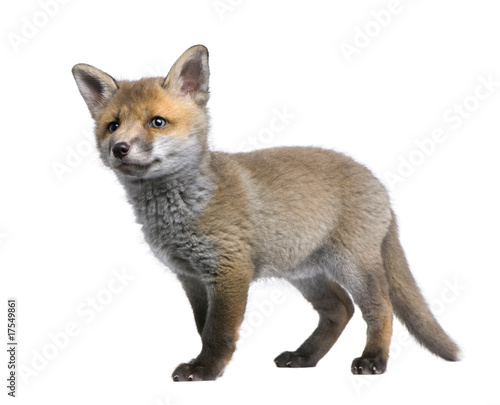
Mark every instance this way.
x=294 y=360
x=194 y=372
x=365 y=365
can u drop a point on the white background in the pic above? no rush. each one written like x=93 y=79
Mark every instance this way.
x=66 y=229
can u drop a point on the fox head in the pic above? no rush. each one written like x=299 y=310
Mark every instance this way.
x=150 y=127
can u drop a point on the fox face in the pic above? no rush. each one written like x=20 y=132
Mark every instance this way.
x=151 y=127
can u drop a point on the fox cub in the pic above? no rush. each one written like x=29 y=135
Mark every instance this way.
x=219 y=221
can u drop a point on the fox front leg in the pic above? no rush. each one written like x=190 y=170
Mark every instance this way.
x=226 y=296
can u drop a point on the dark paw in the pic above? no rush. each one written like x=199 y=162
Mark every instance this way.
x=293 y=360
x=364 y=365
x=195 y=372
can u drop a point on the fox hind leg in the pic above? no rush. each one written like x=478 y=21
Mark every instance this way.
x=376 y=353
x=335 y=309
x=366 y=281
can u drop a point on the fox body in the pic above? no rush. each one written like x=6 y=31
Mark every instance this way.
x=219 y=221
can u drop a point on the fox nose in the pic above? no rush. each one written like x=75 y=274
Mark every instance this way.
x=120 y=149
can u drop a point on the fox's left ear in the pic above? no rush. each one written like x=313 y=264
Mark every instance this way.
x=96 y=87
x=189 y=75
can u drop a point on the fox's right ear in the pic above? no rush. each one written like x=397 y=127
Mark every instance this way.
x=96 y=87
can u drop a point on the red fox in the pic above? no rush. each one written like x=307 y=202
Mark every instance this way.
x=219 y=221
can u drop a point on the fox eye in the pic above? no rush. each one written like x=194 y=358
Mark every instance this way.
x=113 y=126
x=158 y=122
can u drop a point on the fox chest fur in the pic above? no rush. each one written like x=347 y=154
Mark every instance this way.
x=169 y=210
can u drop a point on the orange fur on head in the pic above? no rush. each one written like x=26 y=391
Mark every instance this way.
x=137 y=103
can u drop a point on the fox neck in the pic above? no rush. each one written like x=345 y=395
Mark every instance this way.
x=168 y=208
x=178 y=198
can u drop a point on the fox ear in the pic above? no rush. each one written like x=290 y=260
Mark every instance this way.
x=189 y=75
x=96 y=87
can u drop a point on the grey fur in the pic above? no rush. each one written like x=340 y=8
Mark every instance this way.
x=168 y=208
